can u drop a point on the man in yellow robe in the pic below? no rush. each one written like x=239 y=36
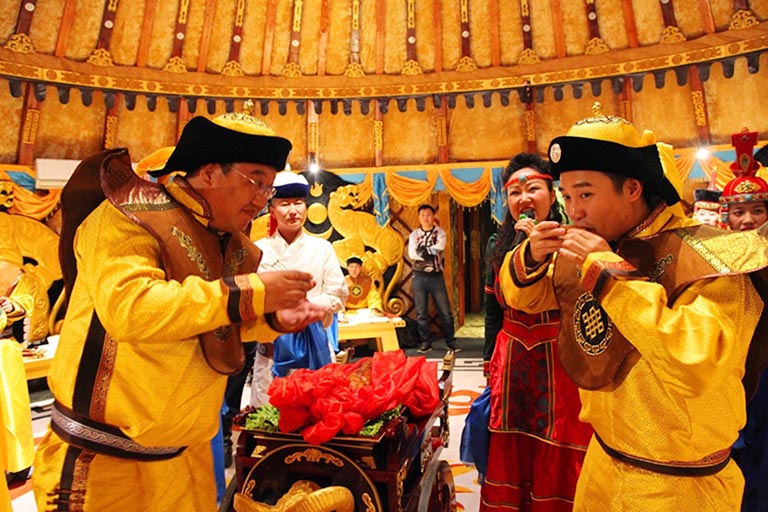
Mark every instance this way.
x=28 y=266
x=362 y=289
x=162 y=287
x=657 y=321
x=14 y=397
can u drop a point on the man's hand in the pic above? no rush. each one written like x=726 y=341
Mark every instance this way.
x=544 y=239
x=6 y=304
x=577 y=243
x=285 y=289
x=296 y=319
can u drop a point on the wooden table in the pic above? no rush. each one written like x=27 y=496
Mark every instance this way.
x=37 y=367
x=382 y=329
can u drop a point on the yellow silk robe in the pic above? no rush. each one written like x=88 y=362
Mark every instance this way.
x=681 y=400
x=14 y=397
x=5 y=495
x=155 y=384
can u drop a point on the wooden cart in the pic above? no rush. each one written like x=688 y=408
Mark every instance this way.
x=398 y=470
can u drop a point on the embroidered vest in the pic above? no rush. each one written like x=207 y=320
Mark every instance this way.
x=358 y=292
x=595 y=353
x=188 y=249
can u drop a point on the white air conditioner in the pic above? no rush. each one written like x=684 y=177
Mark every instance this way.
x=53 y=173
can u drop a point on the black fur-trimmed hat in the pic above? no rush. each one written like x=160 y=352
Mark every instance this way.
x=226 y=139
x=612 y=145
x=354 y=259
x=705 y=195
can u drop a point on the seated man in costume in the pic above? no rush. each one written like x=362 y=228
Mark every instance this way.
x=162 y=289
x=289 y=247
x=706 y=206
x=657 y=347
x=23 y=319
x=745 y=207
x=14 y=397
x=362 y=289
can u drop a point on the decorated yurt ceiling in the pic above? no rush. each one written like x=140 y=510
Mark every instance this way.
x=376 y=83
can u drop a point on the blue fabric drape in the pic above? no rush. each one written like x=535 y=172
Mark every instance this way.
x=305 y=349
x=497 y=196
x=333 y=333
x=380 y=199
x=476 y=438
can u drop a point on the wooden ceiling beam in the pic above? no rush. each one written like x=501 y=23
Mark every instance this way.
x=294 y=43
x=20 y=41
x=322 y=49
x=67 y=18
x=699 y=100
x=110 y=123
x=378 y=135
x=625 y=101
x=465 y=31
x=145 y=39
x=630 y=25
x=437 y=9
x=494 y=32
x=381 y=16
x=313 y=133
x=411 y=51
x=30 y=121
x=558 y=25
x=441 y=132
x=708 y=19
x=269 y=38
x=530 y=126
x=205 y=39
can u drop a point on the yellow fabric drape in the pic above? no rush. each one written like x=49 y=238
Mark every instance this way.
x=413 y=192
x=33 y=205
x=365 y=189
x=467 y=194
x=410 y=191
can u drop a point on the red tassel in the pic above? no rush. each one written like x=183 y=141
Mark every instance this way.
x=272 y=225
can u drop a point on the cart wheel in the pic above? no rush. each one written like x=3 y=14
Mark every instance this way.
x=274 y=473
x=446 y=491
x=440 y=495
x=226 y=504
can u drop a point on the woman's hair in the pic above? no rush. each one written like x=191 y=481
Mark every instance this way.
x=507 y=232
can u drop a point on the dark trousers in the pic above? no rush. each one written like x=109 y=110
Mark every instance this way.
x=234 y=394
x=424 y=285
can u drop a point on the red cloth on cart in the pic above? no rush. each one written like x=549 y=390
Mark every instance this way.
x=343 y=397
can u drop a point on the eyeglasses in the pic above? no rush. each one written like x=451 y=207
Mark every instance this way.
x=265 y=190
